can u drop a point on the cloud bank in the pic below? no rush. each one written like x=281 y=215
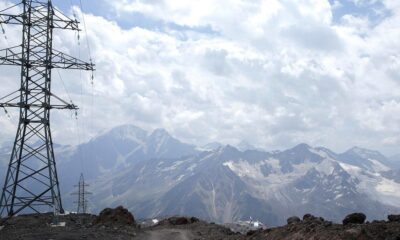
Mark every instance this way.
x=272 y=72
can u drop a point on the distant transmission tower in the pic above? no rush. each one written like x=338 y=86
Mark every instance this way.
x=31 y=182
x=82 y=194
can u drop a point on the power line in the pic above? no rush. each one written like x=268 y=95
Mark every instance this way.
x=85 y=28
x=85 y=127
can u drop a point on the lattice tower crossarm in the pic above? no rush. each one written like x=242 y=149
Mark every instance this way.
x=31 y=183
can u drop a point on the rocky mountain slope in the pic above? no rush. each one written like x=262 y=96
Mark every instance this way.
x=154 y=175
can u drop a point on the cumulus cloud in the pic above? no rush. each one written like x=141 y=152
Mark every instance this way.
x=273 y=73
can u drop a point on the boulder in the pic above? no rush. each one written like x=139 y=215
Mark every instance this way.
x=116 y=216
x=309 y=217
x=179 y=220
x=394 y=218
x=194 y=220
x=293 y=220
x=354 y=218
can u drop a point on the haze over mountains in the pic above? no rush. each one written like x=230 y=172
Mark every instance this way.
x=154 y=174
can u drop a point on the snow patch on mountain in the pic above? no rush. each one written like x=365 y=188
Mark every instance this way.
x=326 y=167
x=377 y=166
x=245 y=169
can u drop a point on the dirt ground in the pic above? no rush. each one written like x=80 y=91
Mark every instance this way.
x=37 y=227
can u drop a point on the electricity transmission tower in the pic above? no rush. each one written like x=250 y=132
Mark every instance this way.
x=82 y=193
x=31 y=183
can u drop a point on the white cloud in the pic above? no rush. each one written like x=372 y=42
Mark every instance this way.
x=276 y=73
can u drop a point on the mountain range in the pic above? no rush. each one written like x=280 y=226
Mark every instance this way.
x=154 y=175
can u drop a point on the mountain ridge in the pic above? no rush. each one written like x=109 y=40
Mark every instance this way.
x=155 y=174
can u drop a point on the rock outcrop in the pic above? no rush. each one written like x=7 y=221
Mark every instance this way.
x=354 y=218
x=293 y=220
x=179 y=221
x=394 y=218
x=116 y=216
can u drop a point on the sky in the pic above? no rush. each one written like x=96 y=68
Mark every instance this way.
x=273 y=73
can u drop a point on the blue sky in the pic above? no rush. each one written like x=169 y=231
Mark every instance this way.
x=374 y=10
x=126 y=21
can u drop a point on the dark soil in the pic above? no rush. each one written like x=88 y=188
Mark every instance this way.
x=38 y=227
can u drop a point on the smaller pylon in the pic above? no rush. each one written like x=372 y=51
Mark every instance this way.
x=82 y=194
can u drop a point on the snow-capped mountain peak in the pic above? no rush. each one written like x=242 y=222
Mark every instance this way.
x=366 y=153
x=365 y=159
x=162 y=144
x=301 y=147
x=159 y=134
x=226 y=153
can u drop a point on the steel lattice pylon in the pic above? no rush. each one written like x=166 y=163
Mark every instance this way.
x=31 y=183
x=82 y=193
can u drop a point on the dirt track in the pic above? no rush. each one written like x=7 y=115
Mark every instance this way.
x=166 y=234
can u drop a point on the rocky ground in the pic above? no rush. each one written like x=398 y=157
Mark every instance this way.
x=119 y=224
x=313 y=228
x=116 y=224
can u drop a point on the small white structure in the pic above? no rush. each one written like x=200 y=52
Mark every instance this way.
x=59 y=224
x=246 y=226
x=252 y=224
